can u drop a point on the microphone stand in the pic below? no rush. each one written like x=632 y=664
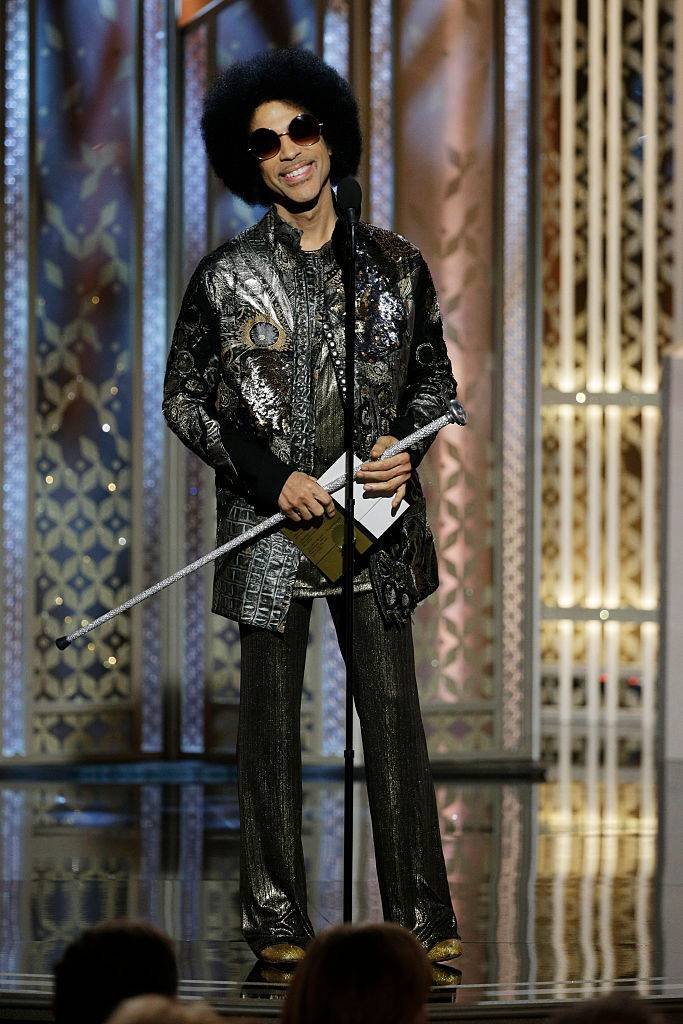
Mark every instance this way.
x=350 y=220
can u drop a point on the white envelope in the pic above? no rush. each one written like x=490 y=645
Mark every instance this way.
x=374 y=515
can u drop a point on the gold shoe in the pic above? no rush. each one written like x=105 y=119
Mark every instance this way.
x=282 y=953
x=447 y=949
x=443 y=975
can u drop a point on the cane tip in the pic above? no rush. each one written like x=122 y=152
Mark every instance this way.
x=63 y=642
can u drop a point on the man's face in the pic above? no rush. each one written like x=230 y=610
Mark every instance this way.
x=297 y=173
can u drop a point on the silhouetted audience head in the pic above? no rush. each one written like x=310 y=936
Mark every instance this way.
x=109 y=963
x=350 y=975
x=160 y=1010
x=612 y=1009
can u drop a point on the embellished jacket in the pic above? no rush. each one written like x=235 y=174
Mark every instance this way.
x=239 y=393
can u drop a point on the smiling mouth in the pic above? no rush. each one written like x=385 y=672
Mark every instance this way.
x=300 y=173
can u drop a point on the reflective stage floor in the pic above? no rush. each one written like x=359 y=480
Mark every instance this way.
x=563 y=889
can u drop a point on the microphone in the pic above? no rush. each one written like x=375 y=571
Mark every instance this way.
x=349 y=198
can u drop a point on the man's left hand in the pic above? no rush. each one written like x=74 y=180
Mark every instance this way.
x=382 y=479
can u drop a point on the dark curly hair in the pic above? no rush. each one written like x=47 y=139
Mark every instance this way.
x=292 y=75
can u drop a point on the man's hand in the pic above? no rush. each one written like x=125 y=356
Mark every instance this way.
x=302 y=498
x=381 y=479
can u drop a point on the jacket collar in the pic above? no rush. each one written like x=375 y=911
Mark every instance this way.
x=278 y=231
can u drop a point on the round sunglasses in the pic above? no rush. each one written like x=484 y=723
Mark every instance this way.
x=303 y=129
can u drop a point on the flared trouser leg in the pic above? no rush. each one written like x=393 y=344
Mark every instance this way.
x=272 y=873
x=410 y=863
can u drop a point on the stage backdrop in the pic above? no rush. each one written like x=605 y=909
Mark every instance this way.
x=527 y=150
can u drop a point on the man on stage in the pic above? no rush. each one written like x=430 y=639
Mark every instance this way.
x=254 y=386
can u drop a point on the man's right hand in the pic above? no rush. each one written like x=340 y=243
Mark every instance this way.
x=302 y=498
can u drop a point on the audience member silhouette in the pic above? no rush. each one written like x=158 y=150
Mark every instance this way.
x=377 y=974
x=160 y=1010
x=109 y=963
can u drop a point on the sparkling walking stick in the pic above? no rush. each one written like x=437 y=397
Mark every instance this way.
x=455 y=414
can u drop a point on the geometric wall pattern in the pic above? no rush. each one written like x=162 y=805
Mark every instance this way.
x=82 y=372
x=607 y=292
x=88 y=466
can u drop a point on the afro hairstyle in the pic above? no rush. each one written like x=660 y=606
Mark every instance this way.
x=291 y=75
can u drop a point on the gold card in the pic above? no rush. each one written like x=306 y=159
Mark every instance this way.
x=321 y=540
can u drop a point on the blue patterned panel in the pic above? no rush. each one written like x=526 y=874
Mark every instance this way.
x=154 y=330
x=15 y=344
x=84 y=252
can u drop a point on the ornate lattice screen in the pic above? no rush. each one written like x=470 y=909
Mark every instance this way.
x=607 y=278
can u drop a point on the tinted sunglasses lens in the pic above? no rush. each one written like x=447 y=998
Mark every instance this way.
x=264 y=143
x=304 y=129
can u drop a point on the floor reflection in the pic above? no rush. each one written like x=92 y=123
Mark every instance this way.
x=559 y=886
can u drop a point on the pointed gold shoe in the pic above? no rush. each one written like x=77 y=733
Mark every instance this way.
x=447 y=949
x=282 y=953
x=445 y=976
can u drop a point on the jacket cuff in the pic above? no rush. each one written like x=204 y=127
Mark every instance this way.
x=261 y=472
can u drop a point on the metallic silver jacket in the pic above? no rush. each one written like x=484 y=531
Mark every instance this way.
x=238 y=393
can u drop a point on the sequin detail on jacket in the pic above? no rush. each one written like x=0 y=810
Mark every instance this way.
x=238 y=393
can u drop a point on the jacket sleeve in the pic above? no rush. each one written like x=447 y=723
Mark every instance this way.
x=189 y=405
x=430 y=384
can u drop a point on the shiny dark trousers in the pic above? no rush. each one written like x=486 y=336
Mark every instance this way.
x=408 y=853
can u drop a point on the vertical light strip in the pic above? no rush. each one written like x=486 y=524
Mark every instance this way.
x=566 y=382
x=565 y=597
x=15 y=376
x=612 y=570
x=594 y=369
x=650 y=385
x=336 y=36
x=647 y=847
x=593 y=632
x=612 y=558
x=515 y=360
x=613 y=196
x=154 y=341
x=596 y=28
x=565 y=668
x=13 y=865
x=563 y=852
x=381 y=114
x=195 y=244
x=612 y=506
x=591 y=855
x=567 y=195
x=650 y=370
x=336 y=50
x=648 y=658
x=610 y=858
x=649 y=597
x=593 y=416
x=611 y=672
